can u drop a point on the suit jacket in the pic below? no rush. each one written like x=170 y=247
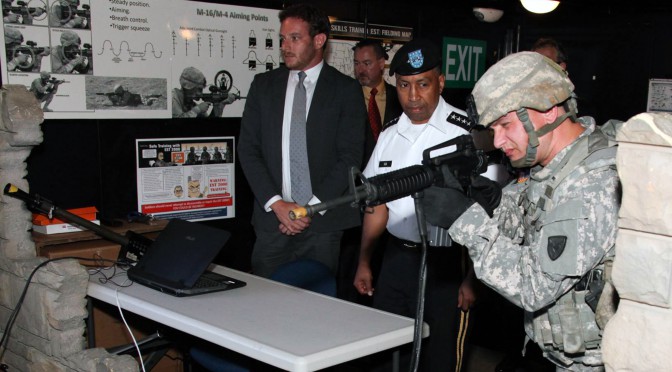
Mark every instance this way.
x=392 y=111
x=335 y=131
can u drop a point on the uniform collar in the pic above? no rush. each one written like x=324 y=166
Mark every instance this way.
x=437 y=120
x=540 y=173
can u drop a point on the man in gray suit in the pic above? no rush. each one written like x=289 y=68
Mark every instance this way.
x=335 y=128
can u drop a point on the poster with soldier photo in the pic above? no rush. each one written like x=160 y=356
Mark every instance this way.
x=186 y=178
x=344 y=35
x=137 y=59
x=216 y=51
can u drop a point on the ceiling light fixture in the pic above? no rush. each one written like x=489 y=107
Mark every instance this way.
x=540 y=6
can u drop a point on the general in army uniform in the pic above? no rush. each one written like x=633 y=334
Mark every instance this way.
x=428 y=120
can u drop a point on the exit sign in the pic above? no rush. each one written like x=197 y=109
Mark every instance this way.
x=463 y=61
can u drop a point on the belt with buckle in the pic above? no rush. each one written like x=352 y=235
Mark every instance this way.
x=406 y=243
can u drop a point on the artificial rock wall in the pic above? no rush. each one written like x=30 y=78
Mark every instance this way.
x=639 y=336
x=48 y=333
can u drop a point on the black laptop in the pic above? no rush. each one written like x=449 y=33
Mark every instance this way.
x=176 y=263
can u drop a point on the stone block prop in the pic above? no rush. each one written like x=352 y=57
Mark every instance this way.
x=48 y=331
x=639 y=336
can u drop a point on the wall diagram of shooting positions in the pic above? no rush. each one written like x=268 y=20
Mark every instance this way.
x=125 y=57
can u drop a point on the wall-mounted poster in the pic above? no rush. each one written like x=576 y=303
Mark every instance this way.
x=187 y=178
x=660 y=95
x=344 y=35
x=137 y=58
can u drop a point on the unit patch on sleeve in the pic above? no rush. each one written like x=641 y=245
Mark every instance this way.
x=556 y=245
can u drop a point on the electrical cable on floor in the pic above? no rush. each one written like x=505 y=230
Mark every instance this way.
x=12 y=317
x=130 y=332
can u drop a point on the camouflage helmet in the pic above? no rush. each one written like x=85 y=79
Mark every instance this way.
x=192 y=78
x=13 y=35
x=45 y=74
x=69 y=38
x=520 y=80
x=118 y=89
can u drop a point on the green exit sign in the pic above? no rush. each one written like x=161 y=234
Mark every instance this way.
x=463 y=61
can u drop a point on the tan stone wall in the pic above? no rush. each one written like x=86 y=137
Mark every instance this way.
x=639 y=336
x=48 y=333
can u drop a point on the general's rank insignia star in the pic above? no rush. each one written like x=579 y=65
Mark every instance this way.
x=460 y=120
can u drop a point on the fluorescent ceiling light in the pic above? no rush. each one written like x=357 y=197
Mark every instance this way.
x=540 y=6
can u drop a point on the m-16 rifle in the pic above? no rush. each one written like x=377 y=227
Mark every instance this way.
x=68 y=11
x=54 y=84
x=54 y=81
x=133 y=245
x=32 y=51
x=85 y=12
x=86 y=51
x=464 y=163
x=219 y=92
x=109 y=94
x=74 y=51
x=34 y=48
x=216 y=95
x=27 y=13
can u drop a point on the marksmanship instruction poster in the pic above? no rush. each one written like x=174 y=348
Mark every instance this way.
x=126 y=58
x=187 y=178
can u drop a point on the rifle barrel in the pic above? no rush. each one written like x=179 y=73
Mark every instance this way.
x=46 y=207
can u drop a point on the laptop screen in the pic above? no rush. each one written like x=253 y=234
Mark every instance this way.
x=183 y=251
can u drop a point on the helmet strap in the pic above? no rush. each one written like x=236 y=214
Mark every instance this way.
x=533 y=136
x=532 y=140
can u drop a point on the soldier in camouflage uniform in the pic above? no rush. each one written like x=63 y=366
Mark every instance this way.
x=548 y=245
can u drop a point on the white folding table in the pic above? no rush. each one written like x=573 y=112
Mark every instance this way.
x=284 y=326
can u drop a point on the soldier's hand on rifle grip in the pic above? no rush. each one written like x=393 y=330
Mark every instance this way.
x=443 y=205
x=201 y=108
x=487 y=193
x=230 y=98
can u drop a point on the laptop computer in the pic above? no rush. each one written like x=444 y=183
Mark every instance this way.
x=176 y=263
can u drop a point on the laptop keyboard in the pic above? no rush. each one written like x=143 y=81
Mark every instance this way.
x=210 y=279
x=206 y=283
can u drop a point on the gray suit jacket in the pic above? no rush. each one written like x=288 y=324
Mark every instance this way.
x=335 y=132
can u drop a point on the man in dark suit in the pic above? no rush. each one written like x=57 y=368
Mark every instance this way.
x=369 y=63
x=334 y=132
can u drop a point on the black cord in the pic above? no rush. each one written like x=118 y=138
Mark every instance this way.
x=422 y=280
x=12 y=318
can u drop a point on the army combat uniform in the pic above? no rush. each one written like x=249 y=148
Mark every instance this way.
x=546 y=246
